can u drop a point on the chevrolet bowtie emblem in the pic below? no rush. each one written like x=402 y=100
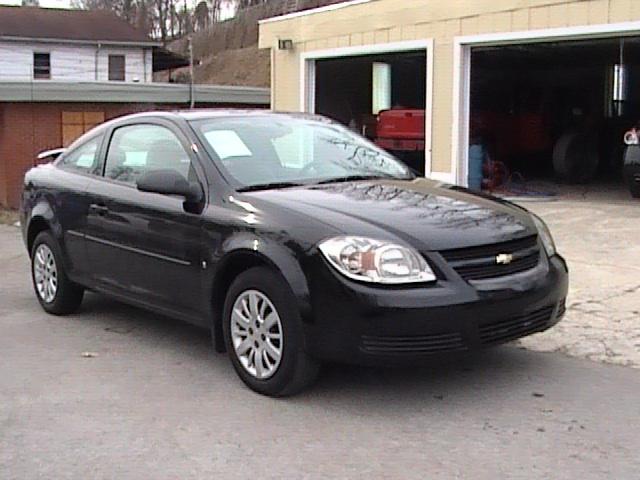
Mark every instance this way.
x=504 y=259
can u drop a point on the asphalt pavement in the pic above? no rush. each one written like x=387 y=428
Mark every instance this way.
x=114 y=392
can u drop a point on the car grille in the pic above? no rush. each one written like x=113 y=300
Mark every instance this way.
x=477 y=263
x=516 y=327
x=486 y=334
x=425 y=344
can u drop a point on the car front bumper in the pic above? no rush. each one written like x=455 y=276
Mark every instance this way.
x=364 y=324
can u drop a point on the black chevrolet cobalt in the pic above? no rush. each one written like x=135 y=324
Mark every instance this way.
x=293 y=239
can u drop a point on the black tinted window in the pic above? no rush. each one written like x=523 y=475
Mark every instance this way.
x=41 y=66
x=116 y=67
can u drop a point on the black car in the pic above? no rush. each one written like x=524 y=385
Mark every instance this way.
x=631 y=169
x=293 y=239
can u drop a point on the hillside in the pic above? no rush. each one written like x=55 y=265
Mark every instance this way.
x=243 y=66
x=228 y=51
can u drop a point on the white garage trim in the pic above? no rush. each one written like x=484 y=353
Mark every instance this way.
x=312 y=11
x=462 y=75
x=308 y=78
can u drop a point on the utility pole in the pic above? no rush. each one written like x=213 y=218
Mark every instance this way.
x=192 y=99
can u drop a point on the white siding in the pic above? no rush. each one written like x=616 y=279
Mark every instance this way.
x=149 y=64
x=73 y=62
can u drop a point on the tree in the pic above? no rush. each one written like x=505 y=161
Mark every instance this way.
x=201 y=15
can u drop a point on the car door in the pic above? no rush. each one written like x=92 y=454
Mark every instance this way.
x=147 y=246
x=73 y=172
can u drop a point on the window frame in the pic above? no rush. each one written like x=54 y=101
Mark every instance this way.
x=111 y=74
x=185 y=142
x=36 y=74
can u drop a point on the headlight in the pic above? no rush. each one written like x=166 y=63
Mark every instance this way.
x=545 y=235
x=370 y=260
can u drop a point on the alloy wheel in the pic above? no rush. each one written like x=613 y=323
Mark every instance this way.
x=45 y=273
x=256 y=334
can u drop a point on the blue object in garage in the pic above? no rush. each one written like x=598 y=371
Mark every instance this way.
x=476 y=158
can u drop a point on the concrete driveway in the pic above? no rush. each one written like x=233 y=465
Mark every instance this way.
x=600 y=238
x=156 y=402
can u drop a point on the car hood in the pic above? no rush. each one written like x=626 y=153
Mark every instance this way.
x=424 y=213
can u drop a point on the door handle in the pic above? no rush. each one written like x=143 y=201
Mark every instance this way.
x=98 y=209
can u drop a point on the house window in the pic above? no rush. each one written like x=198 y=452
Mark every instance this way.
x=116 y=67
x=42 y=66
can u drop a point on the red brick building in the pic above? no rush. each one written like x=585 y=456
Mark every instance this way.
x=29 y=127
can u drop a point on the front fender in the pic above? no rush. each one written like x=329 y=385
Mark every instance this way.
x=279 y=255
x=40 y=213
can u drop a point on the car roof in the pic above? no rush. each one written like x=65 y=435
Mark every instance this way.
x=190 y=115
x=206 y=113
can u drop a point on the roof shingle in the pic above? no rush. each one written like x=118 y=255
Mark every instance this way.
x=75 y=25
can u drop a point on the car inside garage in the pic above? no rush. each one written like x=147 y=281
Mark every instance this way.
x=382 y=96
x=547 y=116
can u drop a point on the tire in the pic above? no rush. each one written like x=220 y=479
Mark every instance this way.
x=66 y=297
x=632 y=178
x=576 y=157
x=294 y=370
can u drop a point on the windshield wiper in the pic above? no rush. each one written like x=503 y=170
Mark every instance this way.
x=349 y=178
x=268 y=186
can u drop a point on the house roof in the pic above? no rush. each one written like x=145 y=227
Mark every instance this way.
x=80 y=26
x=128 y=92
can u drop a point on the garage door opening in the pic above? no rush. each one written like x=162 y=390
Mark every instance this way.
x=382 y=96
x=549 y=114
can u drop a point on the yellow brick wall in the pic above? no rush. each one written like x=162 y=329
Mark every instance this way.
x=383 y=21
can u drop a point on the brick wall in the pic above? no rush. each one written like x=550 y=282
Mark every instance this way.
x=29 y=128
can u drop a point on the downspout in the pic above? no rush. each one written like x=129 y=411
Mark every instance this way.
x=144 y=64
x=96 y=61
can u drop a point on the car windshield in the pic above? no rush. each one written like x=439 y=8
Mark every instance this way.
x=272 y=151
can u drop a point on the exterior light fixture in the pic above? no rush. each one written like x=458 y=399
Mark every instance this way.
x=286 y=44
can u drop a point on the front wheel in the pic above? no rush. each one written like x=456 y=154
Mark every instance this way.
x=263 y=334
x=56 y=293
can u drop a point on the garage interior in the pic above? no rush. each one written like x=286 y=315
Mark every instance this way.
x=545 y=117
x=357 y=90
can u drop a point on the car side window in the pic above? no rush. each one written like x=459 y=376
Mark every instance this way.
x=84 y=158
x=137 y=149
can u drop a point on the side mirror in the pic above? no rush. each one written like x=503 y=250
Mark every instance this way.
x=170 y=182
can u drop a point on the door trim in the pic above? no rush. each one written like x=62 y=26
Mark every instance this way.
x=137 y=250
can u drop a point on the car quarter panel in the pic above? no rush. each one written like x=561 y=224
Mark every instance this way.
x=58 y=198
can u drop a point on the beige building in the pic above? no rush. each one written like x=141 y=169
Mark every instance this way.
x=517 y=47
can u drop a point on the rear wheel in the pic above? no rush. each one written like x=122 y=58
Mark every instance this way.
x=55 y=292
x=263 y=334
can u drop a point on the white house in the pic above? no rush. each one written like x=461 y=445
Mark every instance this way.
x=74 y=45
x=64 y=71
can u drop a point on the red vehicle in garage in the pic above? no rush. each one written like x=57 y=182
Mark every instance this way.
x=401 y=131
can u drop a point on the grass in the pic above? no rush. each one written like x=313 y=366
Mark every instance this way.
x=8 y=217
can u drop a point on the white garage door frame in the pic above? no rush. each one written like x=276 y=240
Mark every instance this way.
x=462 y=75
x=307 y=96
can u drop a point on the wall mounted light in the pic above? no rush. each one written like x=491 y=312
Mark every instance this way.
x=285 y=44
